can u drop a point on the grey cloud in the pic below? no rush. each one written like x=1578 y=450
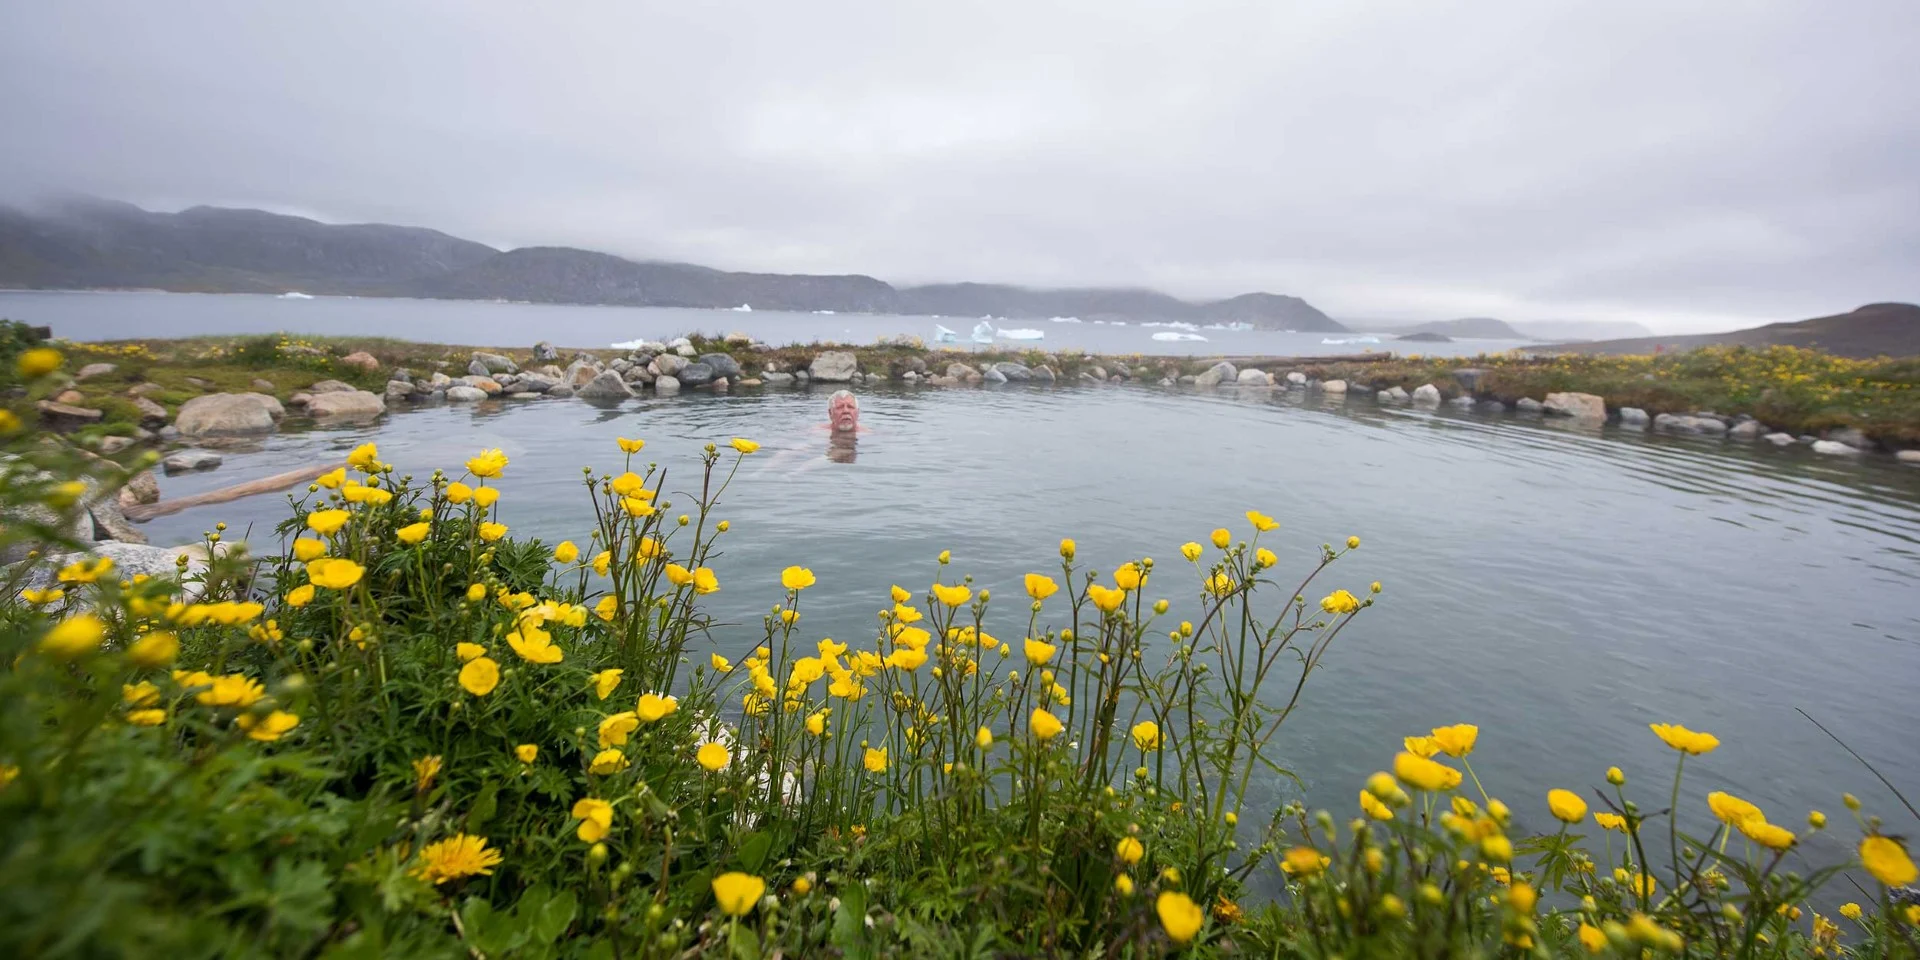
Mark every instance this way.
x=1686 y=165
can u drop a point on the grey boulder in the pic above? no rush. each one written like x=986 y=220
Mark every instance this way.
x=723 y=365
x=1579 y=406
x=1426 y=394
x=182 y=461
x=228 y=413
x=359 y=405
x=461 y=393
x=1219 y=373
x=696 y=374
x=666 y=385
x=606 y=386
x=1013 y=372
x=833 y=366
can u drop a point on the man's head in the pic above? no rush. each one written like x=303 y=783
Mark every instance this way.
x=843 y=411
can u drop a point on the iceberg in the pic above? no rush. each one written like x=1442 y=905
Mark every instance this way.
x=943 y=335
x=743 y=308
x=1064 y=319
x=1178 y=335
x=296 y=295
x=1171 y=324
x=1342 y=341
x=1020 y=334
x=982 y=332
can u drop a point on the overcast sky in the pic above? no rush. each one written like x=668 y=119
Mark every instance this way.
x=1690 y=165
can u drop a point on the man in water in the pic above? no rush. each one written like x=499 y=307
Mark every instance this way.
x=843 y=425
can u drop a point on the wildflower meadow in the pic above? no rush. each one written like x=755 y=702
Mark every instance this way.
x=407 y=730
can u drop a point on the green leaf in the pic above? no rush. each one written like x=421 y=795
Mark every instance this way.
x=554 y=916
x=483 y=807
x=753 y=851
x=850 y=922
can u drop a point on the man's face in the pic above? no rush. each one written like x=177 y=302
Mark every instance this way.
x=844 y=414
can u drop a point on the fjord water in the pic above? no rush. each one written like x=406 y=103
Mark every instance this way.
x=88 y=315
x=1560 y=587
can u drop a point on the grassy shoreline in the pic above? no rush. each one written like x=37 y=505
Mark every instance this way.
x=1796 y=390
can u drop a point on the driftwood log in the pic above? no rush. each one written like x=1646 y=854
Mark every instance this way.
x=279 y=481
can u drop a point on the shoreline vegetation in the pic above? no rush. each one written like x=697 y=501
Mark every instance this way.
x=133 y=389
x=400 y=729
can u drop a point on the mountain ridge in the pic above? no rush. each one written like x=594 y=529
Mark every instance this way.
x=91 y=243
x=1872 y=330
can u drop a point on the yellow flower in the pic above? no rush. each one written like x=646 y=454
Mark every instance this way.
x=1129 y=850
x=456 y=857
x=615 y=729
x=1457 y=740
x=156 y=649
x=737 y=892
x=424 y=770
x=413 y=533
x=1128 y=577
x=1768 y=835
x=480 y=676
x=300 y=596
x=1850 y=910
x=629 y=446
x=648 y=548
x=476 y=592
x=1684 y=740
x=526 y=752
x=86 y=571
x=458 y=493
x=1423 y=774
x=1731 y=809
x=1179 y=916
x=1067 y=548
x=1123 y=884
x=907 y=658
x=41 y=598
x=596 y=819
x=566 y=552
x=744 y=446
x=1611 y=821
x=1816 y=819
x=1107 y=599
x=1887 y=860
x=1039 y=651
x=1264 y=558
x=983 y=738
x=899 y=594
x=636 y=507
x=713 y=756
x=875 y=760
x=39 y=362
x=1191 y=550
x=1045 y=726
x=1303 y=862
x=334 y=573
x=607 y=761
x=327 y=522
x=364 y=458
x=1261 y=522
x=1497 y=848
x=602 y=561
x=1592 y=938
x=954 y=596
x=1040 y=586
x=630 y=484
x=1421 y=746
x=486 y=497
x=652 y=707
x=720 y=663
x=151 y=717
x=469 y=651
x=1219 y=584
x=492 y=531
x=705 y=582
x=142 y=694
x=268 y=728
x=1339 y=601
x=1567 y=805
x=488 y=463
x=333 y=479
x=74 y=637
x=796 y=578
x=1373 y=807
x=605 y=681
x=678 y=575
x=1146 y=735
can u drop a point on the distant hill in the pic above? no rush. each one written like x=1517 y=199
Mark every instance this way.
x=88 y=243
x=1559 y=330
x=1467 y=328
x=1890 y=329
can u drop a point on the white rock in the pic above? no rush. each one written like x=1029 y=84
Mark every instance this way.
x=356 y=405
x=1835 y=448
x=1580 y=406
x=218 y=413
x=1427 y=394
x=1908 y=456
x=833 y=366
x=1334 y=386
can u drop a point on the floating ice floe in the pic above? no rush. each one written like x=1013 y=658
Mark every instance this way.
x=982 y=332
x=1237 y=326
x=1342 y=341
x=1020 y=333
x=1171 y=324
x=296 y=295
x=1064 y=319
x=1178 y=335
x=824 y=313
x=743 y=308
x=943 y=335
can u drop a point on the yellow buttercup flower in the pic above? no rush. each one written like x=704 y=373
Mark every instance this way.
x=38 y=362
x=333 y=479
x=1887 y=860
x=954 y=596
x=479 y=676
x=1067 y=548
x=1684 y=740
x=602 y=562
x=1339 y=602
x=566 y=552
x=1264 y=559
x=607 y=761
x=534 y=645
x=637 y=507
x=41 y=598
x=486 y=496
x=364 y=458
x=1592 y=938
x=1045 y=726
x=629 y=446
x=652 y=707
x=604 y=682
x=630 y=484
x=1732 y=810
x=744 y=446
x=327 y=522
x=469 y=651
x=1220 y=585
x=1768 y=835
x=1303 y=862
x=150 y=717
x=334 y=573
x=491 y=532
x=1353 y=543
x=1039 y=651
x=488 y=463
x=1146 y=735
x=705 y=582
x=1423 y=774
x=458 y=493
x=1180 y=917
x=737 y=892
x=74 y=637
x=1566 y=805
x=269 y=728
x=1222 y=538
x=615 y=729
x=983 y=738
x=300 y=596
x=425 y=770
x=156 y=649
x=1040 y=586
x=307 y=548
x=596 y=819
x=1457 y=740
x=796 y=578
x=526 y=752
x=1106 y=598
x=456 y=857
x=1373 y=807
x=1129 y=850
x=1128 y=577
x=875 y=760
x=413 y=533
x=1261 y=521
x=1421 y=746
x=1191 y=550
x=1611 y=821
x=713 y=756
x=1123 y=885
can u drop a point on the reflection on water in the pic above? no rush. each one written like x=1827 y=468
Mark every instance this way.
x=1562 y=587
